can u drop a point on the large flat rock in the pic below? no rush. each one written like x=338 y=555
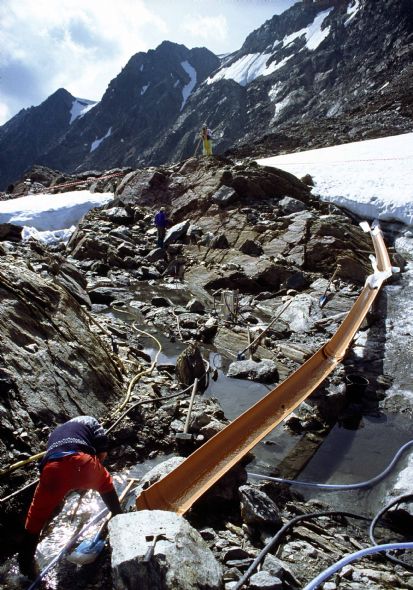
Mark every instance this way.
x=181 y=559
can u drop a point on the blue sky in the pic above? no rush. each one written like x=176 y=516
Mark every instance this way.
x=81 y=45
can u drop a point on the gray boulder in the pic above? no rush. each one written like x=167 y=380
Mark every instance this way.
x=176 y=232
x=225 y=195
x=220 y=242
x=252 y=248
x=279 y=569
x=155 y=255
x=118 y=215
x=289 y=205
x=265 y=581
x=195 y=306
x=10 y=232
x=159 y=471
x=181 y=559
x=301 y=314
x=257 y=508
x=264 y=371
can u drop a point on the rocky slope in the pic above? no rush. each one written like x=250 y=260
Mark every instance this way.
x=321 y=73
x=233 y=226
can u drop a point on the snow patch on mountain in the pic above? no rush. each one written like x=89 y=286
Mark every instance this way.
x=274 y=90
x=276 y=65
x=97 y=142
x=80 y=106
x=291 y=38
x=46 y=212
x=188 y=88
x=280 y=106
x=248 y=67
x=315 y=35
x=145 y=88
x=352 y=10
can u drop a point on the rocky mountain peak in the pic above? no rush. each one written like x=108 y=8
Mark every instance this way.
x=61 y=94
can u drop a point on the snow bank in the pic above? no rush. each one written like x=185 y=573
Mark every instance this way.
x=372 y=178
x=51 y=212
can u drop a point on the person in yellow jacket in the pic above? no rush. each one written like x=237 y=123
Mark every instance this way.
x=206 y=136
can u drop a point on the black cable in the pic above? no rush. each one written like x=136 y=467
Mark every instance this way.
x=277 y=537
x=374 y=522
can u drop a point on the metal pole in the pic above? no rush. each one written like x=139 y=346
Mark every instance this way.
x=249 y=342
x=191 y=401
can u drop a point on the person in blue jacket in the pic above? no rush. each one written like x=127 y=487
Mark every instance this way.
x=161 y=222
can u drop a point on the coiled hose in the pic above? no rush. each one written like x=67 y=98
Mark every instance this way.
x=343 y=487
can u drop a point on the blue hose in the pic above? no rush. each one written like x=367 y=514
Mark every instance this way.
x=350 y=486
x=352 y=557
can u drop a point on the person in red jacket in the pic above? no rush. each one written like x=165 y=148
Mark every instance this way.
x=73 y=461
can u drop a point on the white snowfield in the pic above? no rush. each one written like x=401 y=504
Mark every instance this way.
x=372 y=178
x=50 y=213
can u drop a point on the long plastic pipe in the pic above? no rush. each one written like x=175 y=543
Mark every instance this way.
x=353 y=557
x=178 y=490
x=347 y=486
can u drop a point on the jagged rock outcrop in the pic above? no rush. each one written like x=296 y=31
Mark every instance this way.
x=53 y=366
x=137 y=110
x=270 y=209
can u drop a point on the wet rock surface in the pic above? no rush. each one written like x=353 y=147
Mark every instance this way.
x=76 y=322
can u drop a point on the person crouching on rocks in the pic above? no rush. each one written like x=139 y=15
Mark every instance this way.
x=73 y=461
x=161 y=222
